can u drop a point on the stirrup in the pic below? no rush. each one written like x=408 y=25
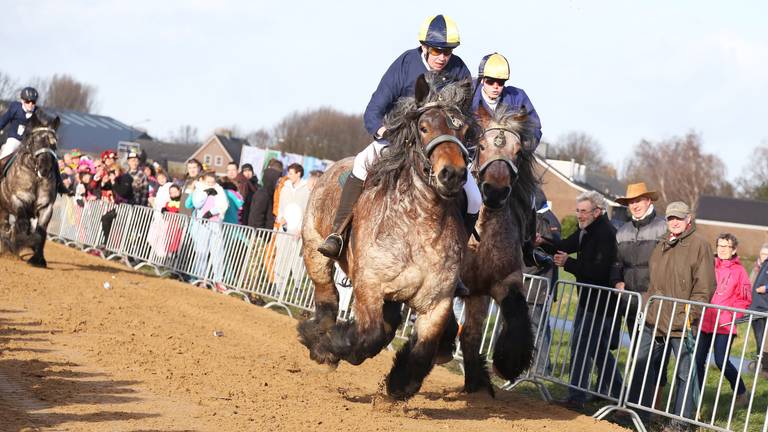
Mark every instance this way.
x=341 y=243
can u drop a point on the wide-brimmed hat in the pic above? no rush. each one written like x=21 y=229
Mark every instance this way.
x=636 y=190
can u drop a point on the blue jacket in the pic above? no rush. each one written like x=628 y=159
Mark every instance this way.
x=400 y=80
x=515 y=98
x=16 y=117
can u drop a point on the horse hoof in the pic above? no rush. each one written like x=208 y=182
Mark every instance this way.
x=40 y=263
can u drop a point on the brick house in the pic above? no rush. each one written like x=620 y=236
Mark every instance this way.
x=219 y=150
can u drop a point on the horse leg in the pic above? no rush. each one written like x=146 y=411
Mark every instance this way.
x=365 y=336
x=312 y=331
x=476 y=377
x=5 y=230
x=514 y=347
x=43 y=217
x=415 y=360
x=447 y=345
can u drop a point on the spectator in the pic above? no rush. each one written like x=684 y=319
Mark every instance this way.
x=760 y=304
x=173 y=204
x=163 y=191
x=636 y=240
x=261 y=214
x=108 y=157
x=140 y=182
x=762 y=256
x=293 y=200
x=152 y=185
x=595 y=243
x=209 y=201
x=84 y=191
x=253 y=180
x=733 y=290
x=234 y=202
x=681 y=267
x=194 y=168
x=245 y=187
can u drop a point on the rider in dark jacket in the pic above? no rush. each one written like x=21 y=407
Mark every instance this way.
x=438 y=37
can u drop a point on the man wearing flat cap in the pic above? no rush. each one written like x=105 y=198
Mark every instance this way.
x=682 y=267
x=636 y=240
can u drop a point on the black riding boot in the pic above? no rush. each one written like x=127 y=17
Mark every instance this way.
x=3 y=163
x=470 y=220
x=351 y=191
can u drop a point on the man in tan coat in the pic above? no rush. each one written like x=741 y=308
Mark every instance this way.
x=681 y=267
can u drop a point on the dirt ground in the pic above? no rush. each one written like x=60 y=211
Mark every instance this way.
x=141 y=356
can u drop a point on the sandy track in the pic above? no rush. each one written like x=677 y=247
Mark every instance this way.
x=142 y=357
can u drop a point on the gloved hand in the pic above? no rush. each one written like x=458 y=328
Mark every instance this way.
x=163 y=210
x=211 y=192
x=208 y=215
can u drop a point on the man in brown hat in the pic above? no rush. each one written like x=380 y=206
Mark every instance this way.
x=636 y=240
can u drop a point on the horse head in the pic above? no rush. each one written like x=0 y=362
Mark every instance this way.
x=38 y=150
x=499 y=149
x=441 y=130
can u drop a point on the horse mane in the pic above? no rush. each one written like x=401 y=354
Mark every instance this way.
x=521 y=199
x=405 y=154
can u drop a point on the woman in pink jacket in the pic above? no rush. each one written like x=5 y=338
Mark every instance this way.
x=733 y=290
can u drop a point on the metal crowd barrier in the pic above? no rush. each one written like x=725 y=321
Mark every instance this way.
x=593 y=340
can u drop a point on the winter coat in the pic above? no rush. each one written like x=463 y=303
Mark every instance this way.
x=596 y=254
x=681 y=268
x=235 y=202
x=400 y=81
x=293 y=204
x=203 y=203
x=760 y=301
x=140 y=187
x=260 y=214
x=636 y=240
x=733 y=290
x=246 y=188
x=514 y=99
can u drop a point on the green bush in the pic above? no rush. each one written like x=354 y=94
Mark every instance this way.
x=569 y=225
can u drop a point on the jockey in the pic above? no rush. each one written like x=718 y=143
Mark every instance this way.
x=491 y=92
x=17 y=116
x=438 y=37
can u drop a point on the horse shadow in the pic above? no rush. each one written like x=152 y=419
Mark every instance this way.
x=32 y=388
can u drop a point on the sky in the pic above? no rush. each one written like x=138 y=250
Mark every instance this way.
x=621 y=71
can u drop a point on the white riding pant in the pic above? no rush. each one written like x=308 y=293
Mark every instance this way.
x=370 y=154
x=10 y=146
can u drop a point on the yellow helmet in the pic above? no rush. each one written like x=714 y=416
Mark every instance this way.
x=439 y=31
x=494 y=66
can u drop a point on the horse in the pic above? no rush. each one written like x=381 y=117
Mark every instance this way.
x=28 y=190
x=407 y=239
x=493 y=265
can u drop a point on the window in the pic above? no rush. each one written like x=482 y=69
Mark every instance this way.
x=207 y=159
x=219 y=161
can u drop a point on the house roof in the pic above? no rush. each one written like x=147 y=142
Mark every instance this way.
x=608 y=186
x=234 y=146
x=90 y=132
x=733 y=210
x=160 y=151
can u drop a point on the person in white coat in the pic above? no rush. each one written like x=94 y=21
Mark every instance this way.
x=290 y=213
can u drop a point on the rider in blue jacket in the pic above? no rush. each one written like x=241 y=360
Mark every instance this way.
x=491 y=92
x=438 y=37
x=17 y=116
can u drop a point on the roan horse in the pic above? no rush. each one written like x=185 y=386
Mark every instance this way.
x=407 y=240
x=28 y=190
x=493 y=266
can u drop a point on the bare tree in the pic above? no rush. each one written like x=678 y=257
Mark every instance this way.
x=582 y=148
x=323 y=133
x=8 y=88
x=754 y=182
x=260 y=138
x=186 y=135
x=65 y=92
x=679 y=169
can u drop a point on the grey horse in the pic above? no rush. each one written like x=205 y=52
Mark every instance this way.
x=28 y=188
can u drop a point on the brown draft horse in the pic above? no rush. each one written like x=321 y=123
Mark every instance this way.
x=407 y=240
x=493 y=266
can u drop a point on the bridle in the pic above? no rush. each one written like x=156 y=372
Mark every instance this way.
x=454 y=122
x=499 y=141
x=52 y=140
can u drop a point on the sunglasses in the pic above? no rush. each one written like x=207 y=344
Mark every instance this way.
x=496 y=81
x=437 y=51
x=30 y=102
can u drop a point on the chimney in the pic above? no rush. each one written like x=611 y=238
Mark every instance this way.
x=224 y=132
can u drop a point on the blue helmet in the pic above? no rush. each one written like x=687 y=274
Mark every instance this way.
x=440 y=32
